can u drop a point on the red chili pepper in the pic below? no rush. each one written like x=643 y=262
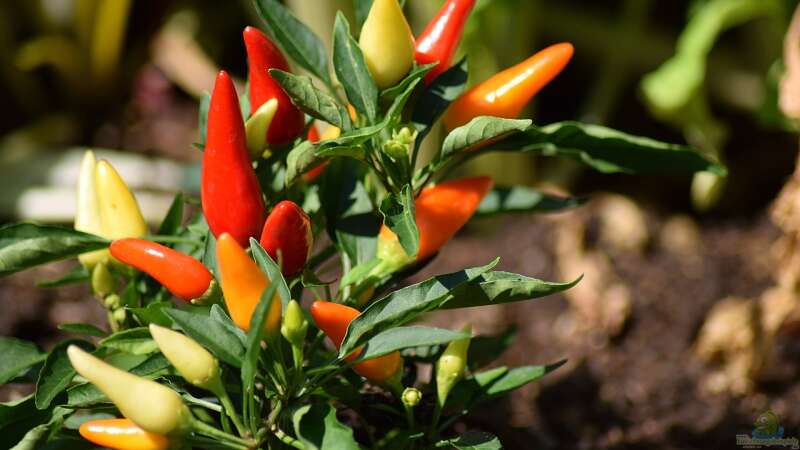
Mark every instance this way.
x=230 y=193
x=333 y=319
x=184 y=276
x=506 y=93
x=439 y=41
x=263 y=55
x=287 y=237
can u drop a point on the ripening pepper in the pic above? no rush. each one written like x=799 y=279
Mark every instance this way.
x=287 y=237
x=121 y=434
x=441 y=211
x=263 y=55
x=451 y=365
x=182 y=275
x=119 y=211
x=150 y=405
x=195 y=364
x=87 y=213
x=256 y=128
x=387 y=43
x=333 y=319
x=506 y=93
x=242 y=285
x=230 y=193
x=439 y=41
x=330 y=133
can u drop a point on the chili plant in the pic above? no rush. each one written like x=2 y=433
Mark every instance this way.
x=209 y=345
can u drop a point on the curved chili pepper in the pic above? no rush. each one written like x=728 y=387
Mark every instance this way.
x=450 y=366
x=150 y=405
x=119 y=210
x=287 y=237
x=182 y=275
x=195 y=364
x=263 y=55
x=242 y=285
x=333 y=319
x=121 y=434
x=230 y=193
x=387 y=43
x=441 y=211
x=506 y=93
x=439 y=41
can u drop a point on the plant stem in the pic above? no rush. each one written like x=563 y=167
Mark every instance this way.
x=288 y=440
x=212 y=432
x=437 y=414
x=175 y=240
x=230 y=411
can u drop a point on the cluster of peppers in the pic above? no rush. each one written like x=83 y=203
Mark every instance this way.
x=234 y=207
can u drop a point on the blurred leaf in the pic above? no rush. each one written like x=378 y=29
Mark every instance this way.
x=173 y=218
x=57 y=372
x=311 y=100
x=211 y=333
x=254 y=337
x=485 y=349
x=82 y=328
x=18 y=355
x=434 y=101
x=495 y=288
x=136 y=341
x=495 y=382
x=398 y=215
x=473 y=440
x=35 y=435
x=295 y=38
x=607 y=150
x=202 y=119
x=153 y=313
x=318 y=428
x=78 y=274
x=521 y=199
x=404 y=337
x=24 y=245
x=351 y=70
x=361 y=8
x=210 y=254
x=404 y=305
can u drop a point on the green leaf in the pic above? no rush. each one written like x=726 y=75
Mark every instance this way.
x=485 y=349
x=82 y=328
x=34 y=437
x=351 y=70
x=399 y=338
x=404 y=305
x=173 y=218
x=136 y=341
x=210 y=254
x=480 y=131
x=607 y=150
x=361 y=8
x=473 y=440
x=272 y=270
x=153 y=313
x=254 y=337
x=521 y=199
x=300 y=160
x=398 y=215
x=219 y=314
x=318 y=428
x=57 y=373
x=202 y=118
x=295 y=38
x=25 y=245
x=495 y=382
x=311 y=100
x=78 y=274
x=211 y=333
x=434 y=101
x=18 y=355
x=416 y=74
x=495 y=288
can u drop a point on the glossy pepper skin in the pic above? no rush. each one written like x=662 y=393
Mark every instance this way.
x=387 y=43
x=506 y=93
x=333 y=319
x=195 y=364
x=439 y=41
x=262 y=55
x=441 y=211
x=150 y=405
x=242 y=285
x=230 y=193
x=287 y=237
x=119 y=212
x=87 y=212
x=121 y=434
x=182 y=275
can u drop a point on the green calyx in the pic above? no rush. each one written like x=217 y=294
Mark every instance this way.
x=399 y=146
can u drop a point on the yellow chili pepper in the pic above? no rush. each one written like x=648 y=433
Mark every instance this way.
x=195 y=364
x=387 y=43
x=119 y=211
x=87 y=213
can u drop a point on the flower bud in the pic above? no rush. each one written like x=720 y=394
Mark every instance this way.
x=102 y=280
x=295 y=325
x=195 y=364
x=153 y=407
x=112 y=301
x=411 y=397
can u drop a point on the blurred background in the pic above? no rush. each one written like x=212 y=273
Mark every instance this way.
x=685 y=326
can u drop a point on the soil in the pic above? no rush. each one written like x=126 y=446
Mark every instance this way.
x=640 y=389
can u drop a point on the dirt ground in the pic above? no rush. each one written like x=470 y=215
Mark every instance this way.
x=642 y=388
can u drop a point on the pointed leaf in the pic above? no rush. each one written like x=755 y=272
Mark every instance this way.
x=311 y=100
x=521 y=199
x=495 y=288
x=398 y=215
x=351 y=70
x=18 y=355
x=25 y=245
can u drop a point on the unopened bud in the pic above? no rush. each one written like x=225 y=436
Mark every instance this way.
x=411 y=397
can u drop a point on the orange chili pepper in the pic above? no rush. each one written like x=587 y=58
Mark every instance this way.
x=121 y=434
x=243 y=282
x=506 y=93
x=333 y=319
